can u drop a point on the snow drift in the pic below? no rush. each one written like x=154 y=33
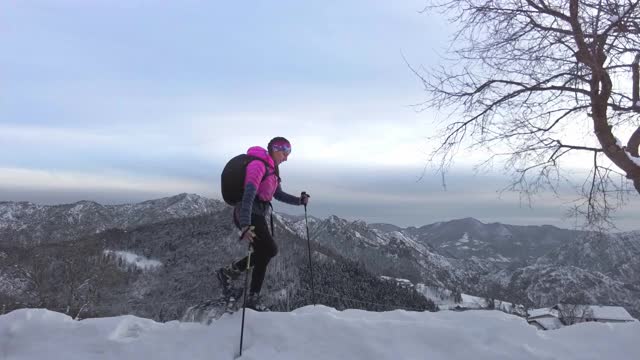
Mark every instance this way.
x=312 y=332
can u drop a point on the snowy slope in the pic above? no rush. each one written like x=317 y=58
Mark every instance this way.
x=313 y=333
x=392 y=253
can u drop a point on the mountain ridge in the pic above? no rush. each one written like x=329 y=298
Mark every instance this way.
x=537 y=265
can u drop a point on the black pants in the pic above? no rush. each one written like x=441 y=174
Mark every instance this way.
x=264 y=248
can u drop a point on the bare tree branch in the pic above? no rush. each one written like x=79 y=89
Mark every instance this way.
x=527 y=76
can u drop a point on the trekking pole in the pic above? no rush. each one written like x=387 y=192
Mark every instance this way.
x=306 y=221
x=244 y=302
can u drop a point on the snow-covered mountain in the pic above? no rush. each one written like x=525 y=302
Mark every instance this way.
x=466 y=238
x=614 y=255
x=596 y=269
x=390 y=253
x=190 y=235
x=534 y=265
x=30 y=224
x=160 y=269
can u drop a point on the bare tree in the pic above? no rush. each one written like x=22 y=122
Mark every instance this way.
x=79 y=280
x=36 y=270
x=527 y=77
x=457 y=295
x=572 y=313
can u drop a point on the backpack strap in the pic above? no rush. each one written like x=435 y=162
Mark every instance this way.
x=273 y=233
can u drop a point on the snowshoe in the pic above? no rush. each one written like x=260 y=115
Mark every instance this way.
x=226 y=275
x=229 y=302
x=254 y=302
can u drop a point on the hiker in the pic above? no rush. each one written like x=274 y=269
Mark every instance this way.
x=261 y=185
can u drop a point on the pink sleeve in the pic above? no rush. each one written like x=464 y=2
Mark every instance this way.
x=255 y=172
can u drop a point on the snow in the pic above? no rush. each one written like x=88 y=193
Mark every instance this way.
x=610 y=313
x=409 y=242
x=503 y=231
x=438 y=295
x=299 y=228
x=138 y=261
x=473 y=302
x=464 y=239
x=550 y=323
x=399 y=281
x=542 y=312
x=12 y=214
x=312 y=332
x=618 y=142
x=443 y=298
x=549 y=317
x=614 y=18
x=334 y=220
x=499 y=258
x=635 y=159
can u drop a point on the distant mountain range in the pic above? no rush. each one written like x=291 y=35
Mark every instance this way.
x=531 y=265
x=30 y=224
x=43 y=247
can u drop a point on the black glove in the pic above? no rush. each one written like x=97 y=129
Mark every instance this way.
x=304 y=198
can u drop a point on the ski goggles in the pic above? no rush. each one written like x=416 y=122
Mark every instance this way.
x=286 y=148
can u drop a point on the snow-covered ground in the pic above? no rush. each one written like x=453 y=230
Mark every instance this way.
x=444 y=299
x=313 y=332
x=138 y=261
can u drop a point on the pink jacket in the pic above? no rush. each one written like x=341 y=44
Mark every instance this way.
x=259 y=189
x=256 y=171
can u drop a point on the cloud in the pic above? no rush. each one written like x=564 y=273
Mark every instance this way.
x=393 y=195
x=130 y=100
x=373 y=195
x=52 y=181
x=39 y=135
x=383 y=132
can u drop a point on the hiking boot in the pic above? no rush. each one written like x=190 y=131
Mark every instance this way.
x=254 y=301
x=226 y=275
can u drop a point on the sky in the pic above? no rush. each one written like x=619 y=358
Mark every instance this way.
x=124 y=101
x=314 y=333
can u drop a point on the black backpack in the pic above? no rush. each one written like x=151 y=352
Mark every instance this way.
x=233 y=174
